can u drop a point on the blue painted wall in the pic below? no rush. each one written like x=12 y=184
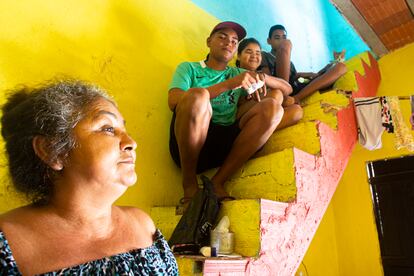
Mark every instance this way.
x=315 y=27
x=341 y=34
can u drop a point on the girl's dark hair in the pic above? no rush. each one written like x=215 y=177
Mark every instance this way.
x=243 y=44
x=51 y=111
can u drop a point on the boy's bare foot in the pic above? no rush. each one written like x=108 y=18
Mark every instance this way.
x=221 y=194
x=190 y=191
x=219 y=191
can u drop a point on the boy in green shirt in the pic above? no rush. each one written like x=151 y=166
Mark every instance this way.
x=204 y=96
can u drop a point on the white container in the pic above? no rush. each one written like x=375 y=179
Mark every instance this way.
x=223 y=242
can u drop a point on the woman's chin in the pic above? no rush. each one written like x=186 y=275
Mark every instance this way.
x=130 y=180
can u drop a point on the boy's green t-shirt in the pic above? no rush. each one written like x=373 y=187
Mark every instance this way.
x=197 y=74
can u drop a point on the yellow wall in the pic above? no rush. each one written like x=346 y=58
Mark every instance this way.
x=321 y=259
x=130 y=48
x=353 y=220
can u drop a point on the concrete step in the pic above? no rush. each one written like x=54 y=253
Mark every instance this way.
x=323 y=107
x=303 y=136
x=246 y=217
x=269 y=177
x=328 y=99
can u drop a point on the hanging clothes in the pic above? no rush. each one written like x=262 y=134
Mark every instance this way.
x=386 y=115
x=403 y=136
x=370 y=128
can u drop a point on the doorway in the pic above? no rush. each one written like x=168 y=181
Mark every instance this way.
x=392 y=188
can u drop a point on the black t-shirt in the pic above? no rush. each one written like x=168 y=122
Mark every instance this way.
x=269 y=60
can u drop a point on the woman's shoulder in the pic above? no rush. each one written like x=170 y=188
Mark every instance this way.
x=138 y=217
x=15 y=216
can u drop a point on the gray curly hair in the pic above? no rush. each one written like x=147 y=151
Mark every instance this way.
x=52 y=111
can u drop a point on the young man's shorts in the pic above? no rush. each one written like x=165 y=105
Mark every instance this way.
x=298 y=86
x=217 y=146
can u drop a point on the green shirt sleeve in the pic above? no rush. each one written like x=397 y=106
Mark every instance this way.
x=241 y=70
x=182 y=77
x=241 y=90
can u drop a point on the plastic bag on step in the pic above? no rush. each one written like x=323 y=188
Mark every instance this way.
x=193 y=230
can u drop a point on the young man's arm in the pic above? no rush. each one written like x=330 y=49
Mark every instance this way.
x=244 y=80
x=180 y=83
x=283 y=62
x=174 y=97
x=278 y=83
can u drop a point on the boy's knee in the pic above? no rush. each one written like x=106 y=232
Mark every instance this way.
x=271 y=111
x=196 y=102
x=277 y=95
x=196 y=97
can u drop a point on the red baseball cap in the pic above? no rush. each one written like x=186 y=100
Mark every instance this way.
x=240 y=31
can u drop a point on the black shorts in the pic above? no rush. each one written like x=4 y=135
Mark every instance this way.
x=217 y=146
x=298 y=86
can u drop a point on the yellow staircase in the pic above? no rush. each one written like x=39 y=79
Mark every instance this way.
x=283 y=192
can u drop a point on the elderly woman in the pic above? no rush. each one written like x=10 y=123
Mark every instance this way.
x=69 y=151
x=249 y=57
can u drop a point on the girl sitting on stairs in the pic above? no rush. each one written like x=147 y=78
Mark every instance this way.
x=249 y=57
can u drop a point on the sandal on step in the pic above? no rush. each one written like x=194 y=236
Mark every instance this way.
x=183 y=204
